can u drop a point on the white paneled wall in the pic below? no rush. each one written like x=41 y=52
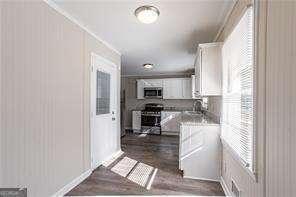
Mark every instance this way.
x=44 y=97
x=281 y=99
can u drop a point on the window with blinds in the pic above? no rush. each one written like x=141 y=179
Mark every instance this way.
x=237 y=116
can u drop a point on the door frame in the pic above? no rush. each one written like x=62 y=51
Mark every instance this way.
x=104 y=62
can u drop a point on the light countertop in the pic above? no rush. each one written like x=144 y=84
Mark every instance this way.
x=196 y=119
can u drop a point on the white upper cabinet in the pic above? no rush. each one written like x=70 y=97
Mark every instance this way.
x=140 y=88
x=177 y=88
x=152 y=82
x=144 y=83
x=208 y=70
x=187 y=88
x=173 y=88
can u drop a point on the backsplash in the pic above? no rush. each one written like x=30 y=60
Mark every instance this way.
x=215 y=107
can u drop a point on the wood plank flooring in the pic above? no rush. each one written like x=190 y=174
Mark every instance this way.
x=159 y=152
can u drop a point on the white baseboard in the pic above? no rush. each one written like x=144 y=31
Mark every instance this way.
x=115 y=154
x=72 y=184
x=112 y=158
x=83 y=176
x=225 y=188
x=202 y=179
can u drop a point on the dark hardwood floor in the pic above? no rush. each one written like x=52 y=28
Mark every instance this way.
x=157 y=152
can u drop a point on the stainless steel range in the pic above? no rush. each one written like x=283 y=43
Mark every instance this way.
x=150 y=118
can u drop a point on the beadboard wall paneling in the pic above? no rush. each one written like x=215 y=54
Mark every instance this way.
x=44 y=97
x=280 y=99
x=1 y=136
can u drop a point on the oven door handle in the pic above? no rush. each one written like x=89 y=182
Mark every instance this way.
x=155 y=115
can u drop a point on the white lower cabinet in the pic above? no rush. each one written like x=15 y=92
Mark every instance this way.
x=136 y=121
x=170 y=122
x=200 y=151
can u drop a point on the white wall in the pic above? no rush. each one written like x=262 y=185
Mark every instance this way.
x=44 y=97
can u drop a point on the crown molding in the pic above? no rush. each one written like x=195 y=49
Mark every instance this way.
x=225 y=21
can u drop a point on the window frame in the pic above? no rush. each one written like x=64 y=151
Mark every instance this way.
x=253 y=171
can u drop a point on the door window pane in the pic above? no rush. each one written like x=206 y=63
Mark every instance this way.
x=103 y=93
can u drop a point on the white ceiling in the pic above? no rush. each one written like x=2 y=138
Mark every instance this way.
x=169 y=43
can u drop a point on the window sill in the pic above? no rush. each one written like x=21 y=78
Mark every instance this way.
x=242 y=163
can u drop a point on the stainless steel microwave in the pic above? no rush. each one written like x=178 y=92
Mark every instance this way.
x=153 y=92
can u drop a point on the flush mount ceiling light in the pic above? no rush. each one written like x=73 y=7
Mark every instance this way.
x=147 y=14
x=148 y=66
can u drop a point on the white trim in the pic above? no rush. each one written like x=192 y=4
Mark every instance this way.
x=202 y=179
x=224 y=187
x=103 y=60
x=113 y=157
x=169 y=74
x=109 y=63
x=225 y=21
x=71 y=18
x=241 y=162
x=210 y=44
x=117 y=153
x=72 y=184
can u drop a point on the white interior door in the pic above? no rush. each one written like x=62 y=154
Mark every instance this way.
x=104 y=123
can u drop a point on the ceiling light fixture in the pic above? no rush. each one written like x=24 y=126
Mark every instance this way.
x=148 y=66
x=147 y=14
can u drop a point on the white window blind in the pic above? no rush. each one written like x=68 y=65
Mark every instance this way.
x=237 y=116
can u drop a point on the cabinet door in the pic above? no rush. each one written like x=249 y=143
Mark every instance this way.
x=140 y=89
x=136 y=120
x=197 y=67
x=172 y=88
x=144 y=83
x=187 y=88
x=170 y=121
x=193 y=91
x=211 y=70
x=153 y=82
